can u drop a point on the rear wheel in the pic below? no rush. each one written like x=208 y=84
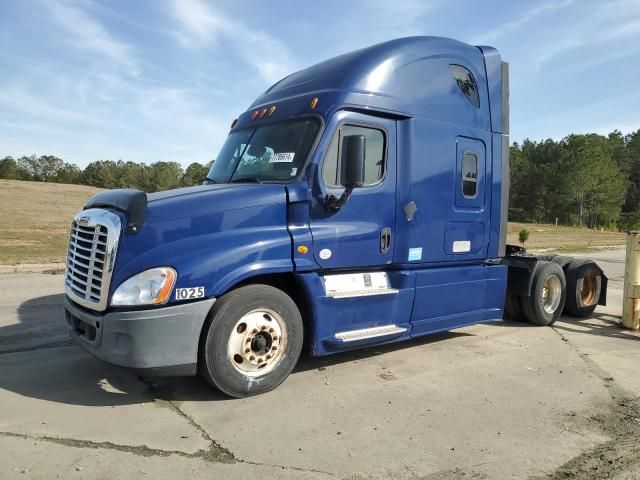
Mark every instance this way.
x=562 y=260
x=252 y=341
x=548 y=294
x=584 y=284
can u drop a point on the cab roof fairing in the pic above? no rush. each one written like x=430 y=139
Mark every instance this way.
x=408 y=77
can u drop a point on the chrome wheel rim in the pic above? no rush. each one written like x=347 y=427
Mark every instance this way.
x=588 y=289
x=551 y=294
x=257 y=342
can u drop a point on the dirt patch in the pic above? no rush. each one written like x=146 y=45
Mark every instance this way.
x=616 y=456
x=619 y=420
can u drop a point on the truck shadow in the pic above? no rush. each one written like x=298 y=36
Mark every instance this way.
x=600 y=324
x=39 y=360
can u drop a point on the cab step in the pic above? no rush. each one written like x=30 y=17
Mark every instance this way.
x=362 y=293
x=370 y=333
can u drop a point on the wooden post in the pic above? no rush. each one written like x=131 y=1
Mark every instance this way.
x=631 y=305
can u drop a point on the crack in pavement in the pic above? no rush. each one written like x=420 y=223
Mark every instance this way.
x=216 y=452
x=145 y=451
x=622 y=450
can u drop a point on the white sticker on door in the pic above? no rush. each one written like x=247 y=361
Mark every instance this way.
x=285 y=157
x=460 y=246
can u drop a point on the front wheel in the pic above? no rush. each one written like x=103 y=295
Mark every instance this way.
x=252 y=341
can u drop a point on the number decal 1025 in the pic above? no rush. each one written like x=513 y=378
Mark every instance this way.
x=189 y=293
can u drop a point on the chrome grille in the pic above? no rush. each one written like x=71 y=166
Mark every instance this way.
x=93 y=241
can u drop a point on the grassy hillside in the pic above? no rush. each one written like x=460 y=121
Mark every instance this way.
x=35 y=218
x=567 y=239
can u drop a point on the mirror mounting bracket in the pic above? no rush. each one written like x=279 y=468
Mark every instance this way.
x=336 y=203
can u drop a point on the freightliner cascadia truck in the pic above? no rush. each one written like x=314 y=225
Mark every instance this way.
x=358 y=202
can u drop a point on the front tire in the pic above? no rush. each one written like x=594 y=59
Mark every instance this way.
x=252 y=341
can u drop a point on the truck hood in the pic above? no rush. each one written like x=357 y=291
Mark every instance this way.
x=207 y=199
x=198 y=229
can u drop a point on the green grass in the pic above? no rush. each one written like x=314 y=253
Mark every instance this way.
x=563 y=239
x=35 y=219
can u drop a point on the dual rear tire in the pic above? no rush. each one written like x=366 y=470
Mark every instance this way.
x=562 y=284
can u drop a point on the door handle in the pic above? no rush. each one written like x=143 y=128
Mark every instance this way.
x=385 y=240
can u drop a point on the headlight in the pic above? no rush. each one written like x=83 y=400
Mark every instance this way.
x=151 y=287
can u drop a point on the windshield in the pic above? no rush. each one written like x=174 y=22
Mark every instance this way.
x=268 y=153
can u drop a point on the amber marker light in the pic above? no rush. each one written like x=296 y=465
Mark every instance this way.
x=167 y=287
x=314 y=103
x=272 y=109
x=262 y=112
x=254 y=115
x=302 y=249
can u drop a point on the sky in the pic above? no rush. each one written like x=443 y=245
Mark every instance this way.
x=162 y=80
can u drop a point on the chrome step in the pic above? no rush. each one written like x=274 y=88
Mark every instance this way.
x=362 y=293
x=373 y=332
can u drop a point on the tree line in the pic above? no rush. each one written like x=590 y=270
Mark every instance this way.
x=104 y=173
x=591 y=180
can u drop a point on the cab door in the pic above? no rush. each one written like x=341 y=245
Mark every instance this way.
x=361 y=232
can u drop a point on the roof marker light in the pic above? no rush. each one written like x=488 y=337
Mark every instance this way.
x=262 y=112
x=314 y=102
x=254 y=115
x=272 y=109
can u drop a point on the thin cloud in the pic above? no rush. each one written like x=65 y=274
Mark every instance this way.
x=201 y=26
x=18 y=100
x=89 y=34
x=596 y=35
x=526 y=17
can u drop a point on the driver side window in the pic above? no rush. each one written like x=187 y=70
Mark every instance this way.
x=375 y=144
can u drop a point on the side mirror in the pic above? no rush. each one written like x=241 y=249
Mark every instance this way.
x=352 y=161
x=351 y=169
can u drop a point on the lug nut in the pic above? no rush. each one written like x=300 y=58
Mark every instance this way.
x=255 y=330
x=274 y=348
x=268 y=357
x=248 y=340
x=271 y=330
x=259 y=360
x=252 y=358
x=247 y=350
x=275 y=337
x=263 y=327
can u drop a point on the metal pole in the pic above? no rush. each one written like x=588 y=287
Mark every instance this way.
x=631 y=305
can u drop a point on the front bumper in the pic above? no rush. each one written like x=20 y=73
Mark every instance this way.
x=162 y=341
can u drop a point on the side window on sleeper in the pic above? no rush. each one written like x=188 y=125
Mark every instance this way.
x=469 y=175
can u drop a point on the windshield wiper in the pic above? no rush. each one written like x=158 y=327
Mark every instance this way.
x=245 y=179
x=210 y=180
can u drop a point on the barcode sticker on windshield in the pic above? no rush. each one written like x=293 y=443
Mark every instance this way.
x=286 y=157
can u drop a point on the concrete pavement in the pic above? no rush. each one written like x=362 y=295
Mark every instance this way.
x=502 y=400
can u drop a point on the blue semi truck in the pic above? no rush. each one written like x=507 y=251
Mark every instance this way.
x=357 y=202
